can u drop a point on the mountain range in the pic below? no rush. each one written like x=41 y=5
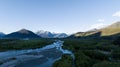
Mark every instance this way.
x=111 y=30
x=27 y=34
x=47 y=34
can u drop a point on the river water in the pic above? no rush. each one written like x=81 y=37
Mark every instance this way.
x=40 y=57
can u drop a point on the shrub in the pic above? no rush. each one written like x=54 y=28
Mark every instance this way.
x=107 y=64
x=82 y=60
x=94 y=54
x=65 y=61
x=116 y=54
x=1 y=63
x=117 y=41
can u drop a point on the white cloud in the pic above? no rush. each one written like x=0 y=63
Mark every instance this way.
x=101 y=20
x=97 y=26
x=117 y=14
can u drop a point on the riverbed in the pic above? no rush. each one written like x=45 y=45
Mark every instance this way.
x=40 y=57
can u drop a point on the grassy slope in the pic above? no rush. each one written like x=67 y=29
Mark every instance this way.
x=110 y=31
x=113 y=29
x=104 y=32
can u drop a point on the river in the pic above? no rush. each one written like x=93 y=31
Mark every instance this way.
x=40 y=57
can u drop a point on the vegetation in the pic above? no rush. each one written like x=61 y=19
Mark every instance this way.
x=117 y=41
x=1 y=63
x=107 y=64
x=65 y=61
x=81 y=60
x=116 y=54
x=15 y=44
x=93 y=52
x=89 y=52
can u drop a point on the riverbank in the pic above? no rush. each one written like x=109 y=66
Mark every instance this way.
x=31 y=57
x=40 y=57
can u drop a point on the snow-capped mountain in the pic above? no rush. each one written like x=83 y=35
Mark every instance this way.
x=47 y=34
x=60 y=35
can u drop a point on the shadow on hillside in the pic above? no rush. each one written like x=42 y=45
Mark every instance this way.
x=97 y=35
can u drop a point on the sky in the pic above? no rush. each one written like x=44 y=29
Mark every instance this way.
x=68 y=16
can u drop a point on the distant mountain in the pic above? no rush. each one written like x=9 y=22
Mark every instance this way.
x=110 y=30
x=22 y=34
x=60 y=35
x=1 y=34
x=47 y=34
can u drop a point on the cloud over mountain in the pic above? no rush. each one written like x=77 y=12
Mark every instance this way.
x=116 y=14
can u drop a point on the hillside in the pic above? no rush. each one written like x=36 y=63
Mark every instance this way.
x=111 y=30
x=23 y=33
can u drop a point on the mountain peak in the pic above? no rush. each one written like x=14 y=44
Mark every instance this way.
x=24 y=31
x=42 y=31
x=2 y=34
x=47 y=34
x=22 y=34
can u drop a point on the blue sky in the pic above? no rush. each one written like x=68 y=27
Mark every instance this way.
x=67 y=16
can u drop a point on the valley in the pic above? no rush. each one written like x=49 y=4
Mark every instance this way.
x=59 y=33
x=83 y=49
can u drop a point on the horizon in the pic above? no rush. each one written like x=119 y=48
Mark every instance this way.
x=61 y=16
x=61 y=32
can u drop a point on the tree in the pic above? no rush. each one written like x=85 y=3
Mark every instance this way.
x=117 y=41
